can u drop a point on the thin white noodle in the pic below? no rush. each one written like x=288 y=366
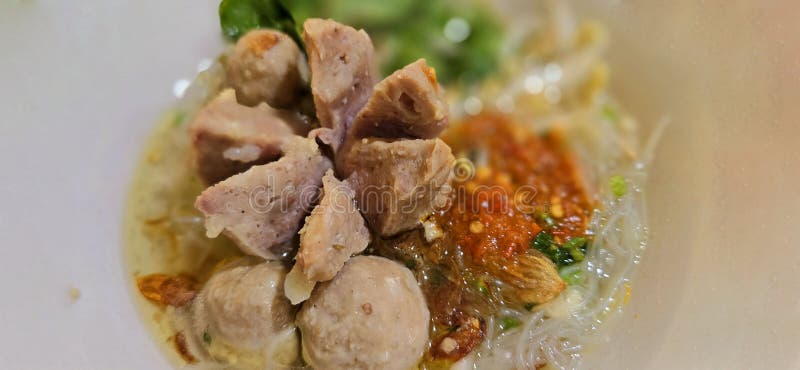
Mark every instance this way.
x=619 y=225
x=523 y=343
x=619 y=241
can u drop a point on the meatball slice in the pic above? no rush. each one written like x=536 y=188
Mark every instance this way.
x=407 y=104
x=341 y=61
x=399 y=183
x=262 y=209
x=242 y=308
x=228 y=138
x=266 y=66
x=333 y=232
x=372 y=315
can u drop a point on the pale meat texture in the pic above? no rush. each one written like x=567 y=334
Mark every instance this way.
x=372 y=315
x=243 y=307
x=399 y=183
x=341 y=60
x=363 y=312
x=228 y=138
x=332 y=233
x=262 y=209
x=407 y=104
x=266 y=66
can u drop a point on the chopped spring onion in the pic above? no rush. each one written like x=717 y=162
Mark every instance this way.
x=178 y=119
x=548 y=220
x=571 y=252
x=572 y=275
x=508 y=323
x=618 y=185
x=573 y=246
x=481 y=286
x=610 y=113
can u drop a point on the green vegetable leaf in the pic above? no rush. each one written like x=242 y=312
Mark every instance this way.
x=543 y=242
x=618 y=185
x=508 y=323
x=571 y=252
x=406 y=30
x=239 y=16
x=206 y=338
x=370 y=13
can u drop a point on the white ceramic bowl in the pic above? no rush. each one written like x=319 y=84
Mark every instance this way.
x=82 y=83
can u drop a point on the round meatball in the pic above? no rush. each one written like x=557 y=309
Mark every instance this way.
x=372 y=315
x=243 y=307
x=265 y=66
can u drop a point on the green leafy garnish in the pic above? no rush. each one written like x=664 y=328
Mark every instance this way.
x=239 y=16
x=575 y=243
x=618 y=185
x=573 y=246
x=507 y=323
x=571 y=252
x=206 y=338
x=403 y=30
x=548 y=220
x=543 y=242
x=406 y=30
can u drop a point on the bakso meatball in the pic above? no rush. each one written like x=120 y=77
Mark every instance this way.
x=372 y=315
x=243 y=307
x=265 y=66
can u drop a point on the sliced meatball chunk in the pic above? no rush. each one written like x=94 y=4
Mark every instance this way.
x=407 y=104
x=372 y=315
x=399 y=183
x=341 y=60
x=228 y=138
x=266 y=66
x=332 y=233
x=262 y=209
x=243 y=308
